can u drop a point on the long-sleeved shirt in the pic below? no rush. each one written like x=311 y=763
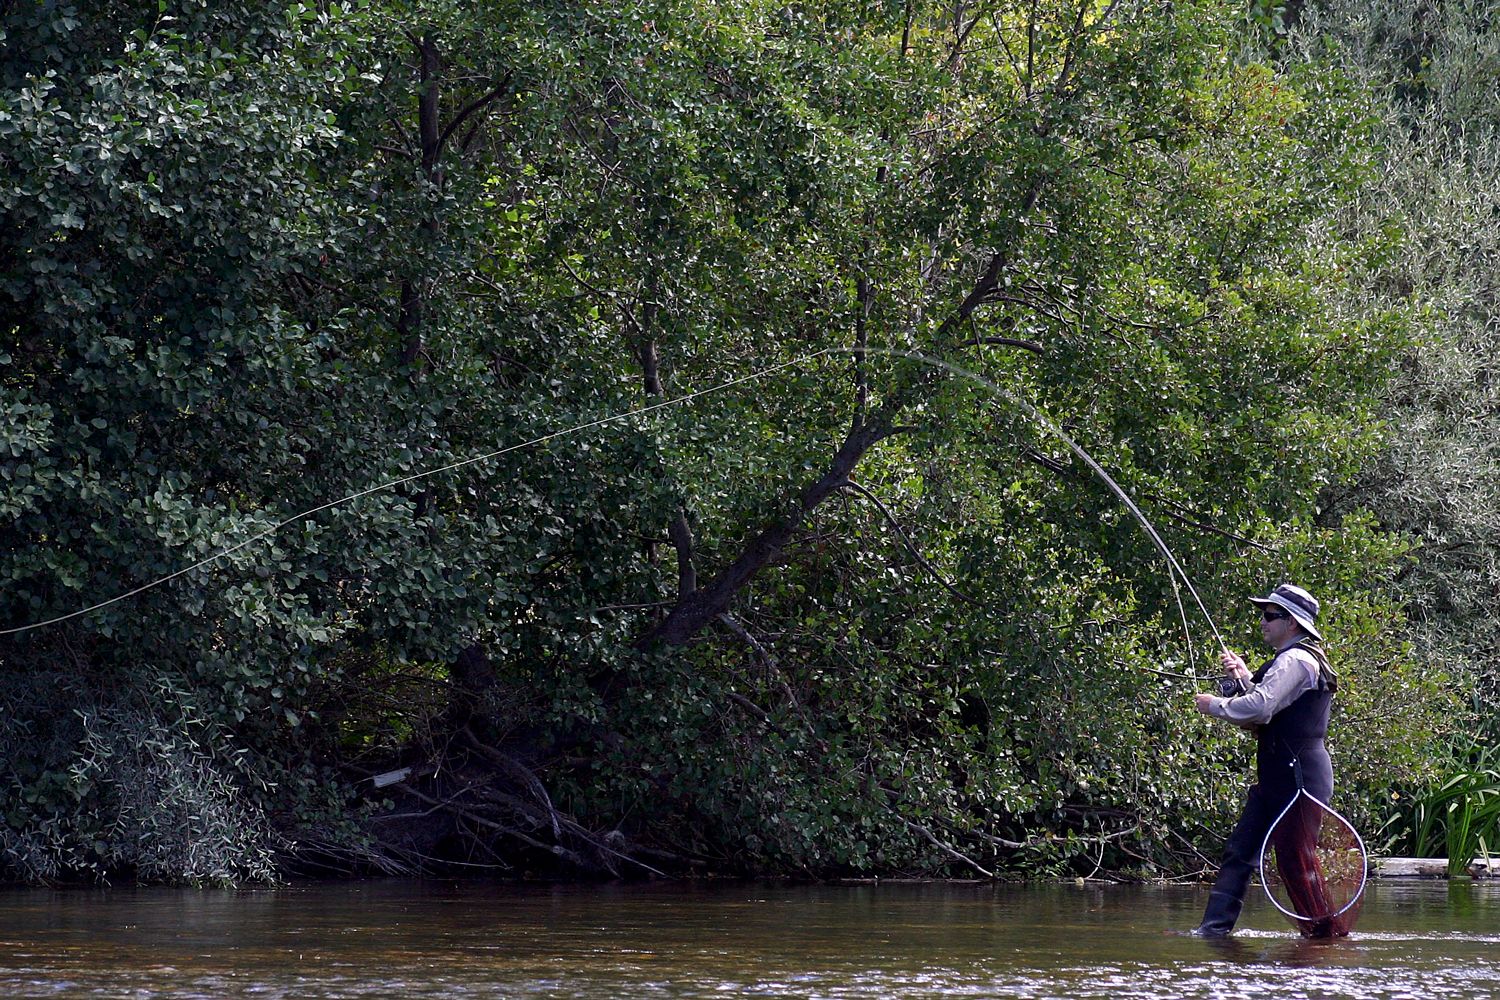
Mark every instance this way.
x=1293 y=671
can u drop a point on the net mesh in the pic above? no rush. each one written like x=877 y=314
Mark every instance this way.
x=1313 y=867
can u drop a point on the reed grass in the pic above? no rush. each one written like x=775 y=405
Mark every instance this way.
x=1458 y=818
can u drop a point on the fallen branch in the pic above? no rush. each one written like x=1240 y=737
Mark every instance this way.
x=517 y=770
x=946 y=848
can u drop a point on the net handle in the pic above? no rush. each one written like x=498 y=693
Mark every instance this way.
x=1364 y=871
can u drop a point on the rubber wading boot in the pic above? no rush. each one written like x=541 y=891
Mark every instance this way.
x=1220 y=916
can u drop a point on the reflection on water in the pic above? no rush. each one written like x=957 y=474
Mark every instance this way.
x=429 y=939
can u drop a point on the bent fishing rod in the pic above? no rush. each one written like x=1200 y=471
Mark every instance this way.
x=1032 y=411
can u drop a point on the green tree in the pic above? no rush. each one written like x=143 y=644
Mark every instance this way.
x=162 y=195
x=863 y=615
x=1430 y=70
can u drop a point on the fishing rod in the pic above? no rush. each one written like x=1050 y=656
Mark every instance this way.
x=1175 y=568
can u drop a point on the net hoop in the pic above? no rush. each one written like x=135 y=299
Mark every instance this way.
x=1364 y=871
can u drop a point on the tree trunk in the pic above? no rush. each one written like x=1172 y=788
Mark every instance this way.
x=429 y=134
x=696 y=609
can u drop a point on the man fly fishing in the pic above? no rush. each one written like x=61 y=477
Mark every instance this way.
x=1286 y=704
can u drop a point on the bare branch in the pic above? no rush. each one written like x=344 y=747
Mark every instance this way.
x=750 y=640
x=474 y=107
x=1010 y=56
x=1028 y=345
x=451 y=806
x=1052 y=465
x=517 y=770
x=911 y=546
x=773 y=666
x=681 y=535
x=1075 y=39
x=989 y=280
x=708 y=602
x=1030 y=49
x=861 y=341
x=893 y=800
x=1189 y=522
x=955 y=55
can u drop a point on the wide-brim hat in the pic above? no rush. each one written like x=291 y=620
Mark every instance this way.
x=1297 y=602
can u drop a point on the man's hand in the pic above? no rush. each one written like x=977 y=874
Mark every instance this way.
x=1202 y=702
x=1234 y=667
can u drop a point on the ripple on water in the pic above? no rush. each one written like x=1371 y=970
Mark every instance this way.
x=591 y=943
x=1134 y=983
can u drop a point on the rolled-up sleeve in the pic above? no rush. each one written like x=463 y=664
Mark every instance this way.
x=1289 y=675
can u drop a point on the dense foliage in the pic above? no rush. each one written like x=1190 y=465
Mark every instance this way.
x=855 y=614
x=1431 y=74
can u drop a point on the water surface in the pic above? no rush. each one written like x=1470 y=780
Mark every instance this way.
x=1426 y=940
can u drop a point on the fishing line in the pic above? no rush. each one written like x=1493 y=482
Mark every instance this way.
x=1173 y=565
x=1077 y=449
x=408 y=479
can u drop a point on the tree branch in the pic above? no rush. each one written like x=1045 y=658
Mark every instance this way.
x=681 y=535
x=708 y=602
x=474 y=107
x=893 y=801
x=1051 y=465
x=744 y=634
x=678 y=530
x=1188 y=522
x=910 y=545
x=773 y=667
x=944 y=846
x=961 y=37
x=703 y=605
x=1027 y=345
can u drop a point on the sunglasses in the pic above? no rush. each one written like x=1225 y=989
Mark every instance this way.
x=1268 y=615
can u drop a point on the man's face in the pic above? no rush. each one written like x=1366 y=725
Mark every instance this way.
x=1277 y=627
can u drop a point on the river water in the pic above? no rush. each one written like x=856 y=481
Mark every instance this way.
x=1426 y=940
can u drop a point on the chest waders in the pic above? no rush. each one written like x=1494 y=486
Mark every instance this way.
x=1313 y=865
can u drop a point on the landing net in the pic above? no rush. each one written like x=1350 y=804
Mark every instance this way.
x=1313 y=866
